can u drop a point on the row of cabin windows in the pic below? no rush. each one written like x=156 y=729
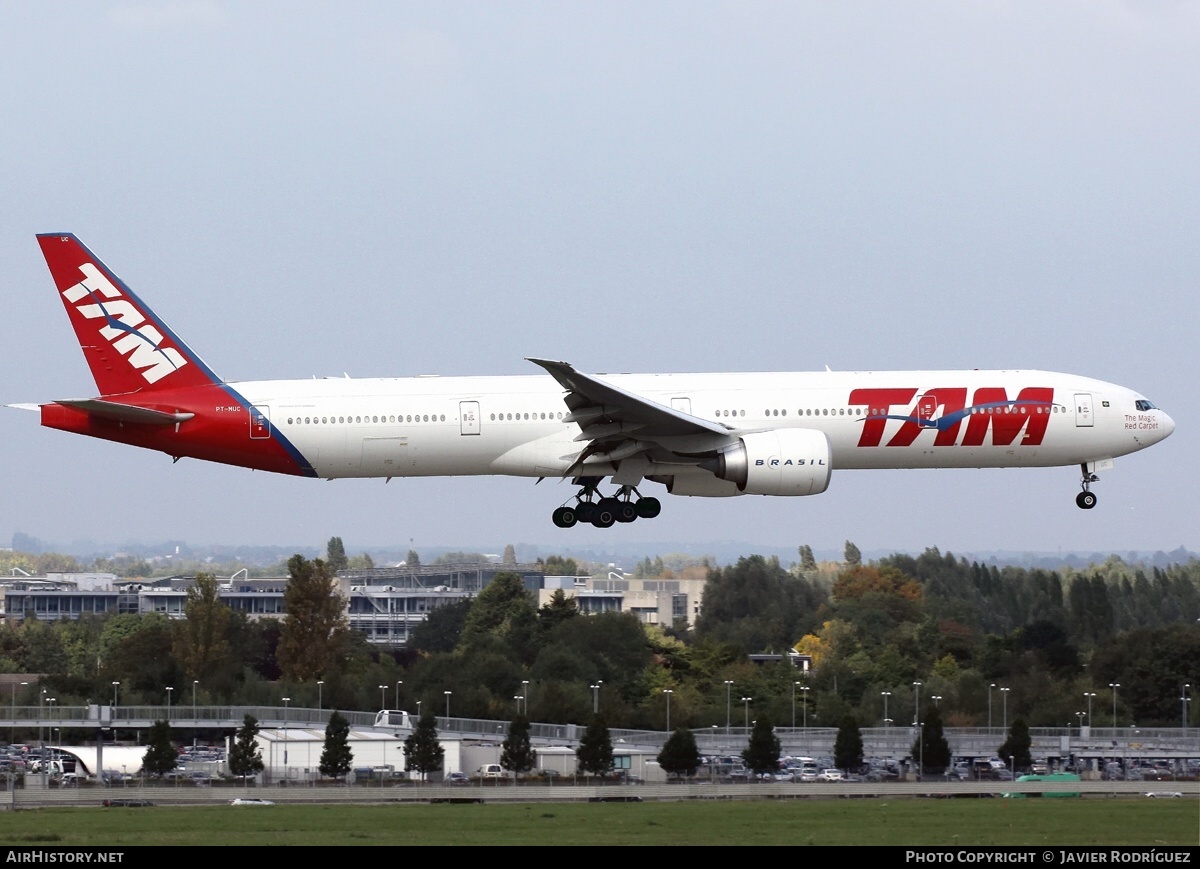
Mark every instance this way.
x=824 y=411
x=342 y=420
x=874 y=411
x=502 y=417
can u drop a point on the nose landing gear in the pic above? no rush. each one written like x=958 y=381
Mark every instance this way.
x=1086 y=499
x=605 y=512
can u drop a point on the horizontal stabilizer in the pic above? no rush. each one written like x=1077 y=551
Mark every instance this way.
x=125 y=412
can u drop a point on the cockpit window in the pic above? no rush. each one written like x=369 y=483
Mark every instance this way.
x=1142 y=404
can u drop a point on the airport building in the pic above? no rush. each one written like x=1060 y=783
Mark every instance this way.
x=384 y=603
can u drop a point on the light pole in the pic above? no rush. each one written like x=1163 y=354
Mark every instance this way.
x=399 y=682
x=746 y=706
x=885 y=695
x=991 y=687
x=195 y=682
x=1088 y=695
x=1004 y=695
x=916 y=703
x=383 y=696
x=596 y=697
x=937 y=700
x=668 y=692
x=1184 y=699
x=447 y=693
x=320 y=694
x=13 y=735
x=728 y=685
x=794 y=685
x=518 y=698
x=115 y=685
x=525 y=695
x=286 y=701
x=1080 y=715
x=804 y=688
x=1113 y=686
x=169 y=691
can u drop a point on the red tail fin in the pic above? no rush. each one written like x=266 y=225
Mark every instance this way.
x=127 y=347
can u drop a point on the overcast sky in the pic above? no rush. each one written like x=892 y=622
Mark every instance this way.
x=402 y=188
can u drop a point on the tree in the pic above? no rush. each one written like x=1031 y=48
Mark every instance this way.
x=595 y=752
x=510 y=555
x=1017 y=745
x=516 y=751
x=335 y=555
x=931 y=749
x=315 y=633
x=161 y=756
x=848 y=747
x=336 y=757
x=853 y=556
x=557 y=610
x=762 y=751
x=757 y=605
x=807 y=561
x=506 y=611
x=442 y=628
x=423 y=752
x=245 y=758
x=680 y=755
x=201 y=639
x=412 y=559
x=556 y=565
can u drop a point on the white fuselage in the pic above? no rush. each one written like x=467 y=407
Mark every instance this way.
x=442 y=426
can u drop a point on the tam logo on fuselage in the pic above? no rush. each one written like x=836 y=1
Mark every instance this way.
x=126 y=329
x=990 y=409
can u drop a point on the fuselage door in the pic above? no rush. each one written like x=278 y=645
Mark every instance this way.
x=683 y=405
x=926 y=407
x=468 y=416
x=260 y=422
x=1083 y=410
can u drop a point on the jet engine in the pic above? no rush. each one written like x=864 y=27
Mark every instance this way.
x=790 y=461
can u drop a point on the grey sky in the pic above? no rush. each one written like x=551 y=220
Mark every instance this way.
x=404 y=188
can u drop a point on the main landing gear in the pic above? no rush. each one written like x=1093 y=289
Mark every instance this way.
x=1086 y=499
x=603 y=512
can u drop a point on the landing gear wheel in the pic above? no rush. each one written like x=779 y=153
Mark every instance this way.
x=609 y=504
x=565 y=517
x=626 y=511
x=1086 y=500
x=602 y=518
x=648 y=508
x=586 y=511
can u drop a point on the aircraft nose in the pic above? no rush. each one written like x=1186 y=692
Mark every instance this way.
x=1168 y=425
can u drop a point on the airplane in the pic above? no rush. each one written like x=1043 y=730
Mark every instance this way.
x=702 y=435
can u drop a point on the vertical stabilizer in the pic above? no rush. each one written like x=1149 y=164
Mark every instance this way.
x=127 y=347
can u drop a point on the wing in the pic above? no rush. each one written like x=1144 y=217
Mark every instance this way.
x=618 y=425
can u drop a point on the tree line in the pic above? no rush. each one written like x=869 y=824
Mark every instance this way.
x=964 y=630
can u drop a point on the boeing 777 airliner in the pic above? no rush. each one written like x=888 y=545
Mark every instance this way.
x=706 y=435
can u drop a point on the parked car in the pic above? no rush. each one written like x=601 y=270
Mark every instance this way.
x=250 y=801
x=457 y=778
x=831 y=775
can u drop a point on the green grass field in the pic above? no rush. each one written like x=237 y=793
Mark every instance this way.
x=760 y=822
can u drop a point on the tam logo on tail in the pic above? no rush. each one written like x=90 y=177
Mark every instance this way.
x=126 y=328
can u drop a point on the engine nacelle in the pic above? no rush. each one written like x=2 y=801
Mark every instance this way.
x=789 y=461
